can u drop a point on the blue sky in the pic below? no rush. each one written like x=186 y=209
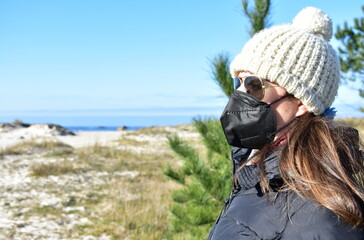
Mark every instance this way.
x=129 y=58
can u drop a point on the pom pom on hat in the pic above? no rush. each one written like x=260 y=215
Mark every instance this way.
x=314 y=20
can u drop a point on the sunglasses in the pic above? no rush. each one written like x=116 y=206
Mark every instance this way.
x=253 y=85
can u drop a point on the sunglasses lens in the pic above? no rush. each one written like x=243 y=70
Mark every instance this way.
x=236 y=83
x=254 y=87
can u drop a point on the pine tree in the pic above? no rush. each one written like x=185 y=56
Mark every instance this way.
x=206 y=183
x=206 y=179
x=351 y=53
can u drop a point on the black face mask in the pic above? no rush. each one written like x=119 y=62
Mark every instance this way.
x=248 y=122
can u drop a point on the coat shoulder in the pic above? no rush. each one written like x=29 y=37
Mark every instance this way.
x=313 y=221
x=284 y=216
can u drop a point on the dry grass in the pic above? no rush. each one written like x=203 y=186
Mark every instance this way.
x=127 y=208
x=111 y=159
x=37 y=145
x=152 y=131
x=357 y=123
x=123 y=207
x=134 y=209
x=125 y=141
x=43 y=170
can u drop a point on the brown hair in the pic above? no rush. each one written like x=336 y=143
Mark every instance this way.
x=321 y=161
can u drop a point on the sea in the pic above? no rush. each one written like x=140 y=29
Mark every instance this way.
x=132 y=119
x=104 y=123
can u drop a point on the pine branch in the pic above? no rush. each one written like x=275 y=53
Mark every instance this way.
x=213 y=136
x=176 y=175
x=258 y=16
x=221 y=73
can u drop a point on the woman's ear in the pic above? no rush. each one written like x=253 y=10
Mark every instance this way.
x=301 y=109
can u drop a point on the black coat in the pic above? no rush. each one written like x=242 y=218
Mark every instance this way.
x=249 y=215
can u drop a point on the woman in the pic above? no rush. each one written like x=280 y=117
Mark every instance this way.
x=297 y=175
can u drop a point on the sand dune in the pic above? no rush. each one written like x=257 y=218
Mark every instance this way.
x=9 y=137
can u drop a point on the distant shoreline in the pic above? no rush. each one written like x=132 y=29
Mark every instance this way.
x=96 y=121
x=100 y=128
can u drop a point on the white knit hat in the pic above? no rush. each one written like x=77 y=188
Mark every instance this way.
x=298 y=57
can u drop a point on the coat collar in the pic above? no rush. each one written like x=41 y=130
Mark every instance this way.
x=248 y=176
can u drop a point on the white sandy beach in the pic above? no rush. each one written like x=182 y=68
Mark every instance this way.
x=87 y=138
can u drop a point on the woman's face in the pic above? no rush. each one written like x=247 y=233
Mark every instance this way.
x=285 y=110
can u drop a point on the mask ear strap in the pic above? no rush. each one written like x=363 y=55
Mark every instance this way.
x=281 y=128
x=271 y=135
x=279 y=99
